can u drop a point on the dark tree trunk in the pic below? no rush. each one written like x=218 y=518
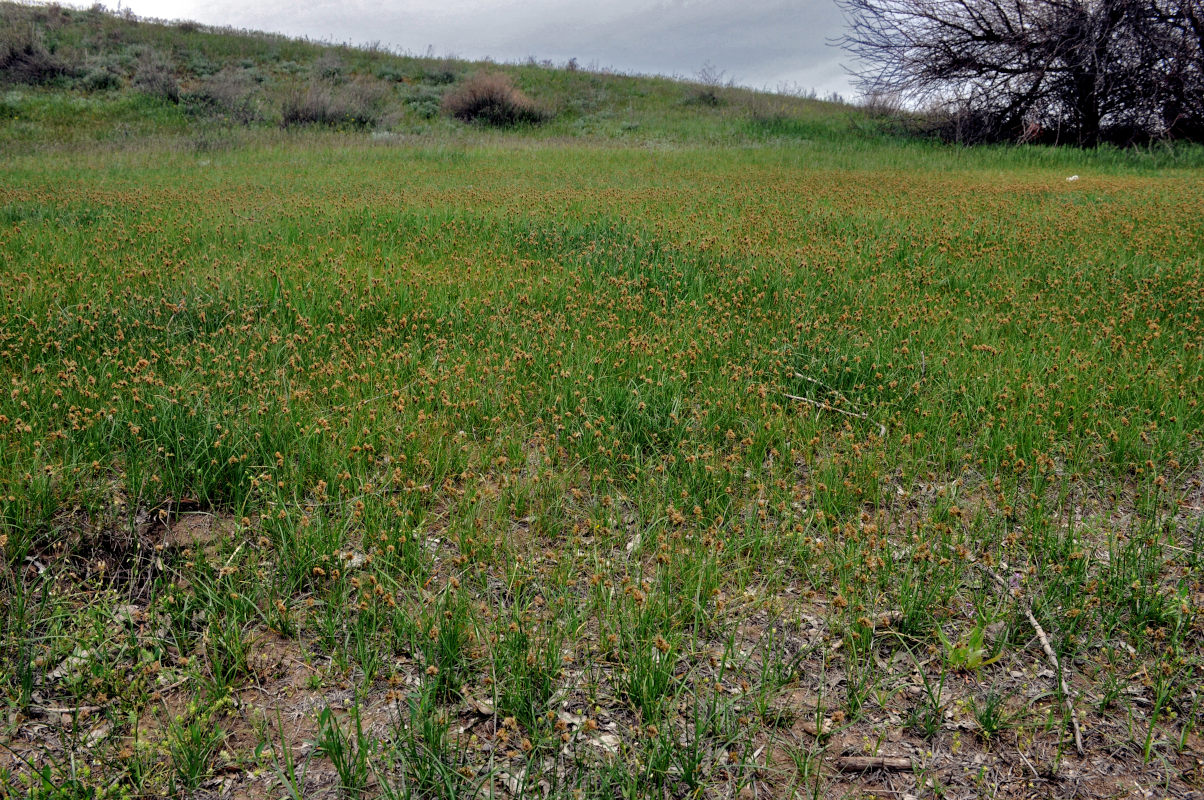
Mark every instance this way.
x=1087 y=110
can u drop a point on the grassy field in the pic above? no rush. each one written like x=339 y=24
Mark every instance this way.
x=691 y=450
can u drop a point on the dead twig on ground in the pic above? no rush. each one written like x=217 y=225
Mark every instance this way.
x=826 y=406
x=56 y=711
x=863 y=763
x=1051 y=655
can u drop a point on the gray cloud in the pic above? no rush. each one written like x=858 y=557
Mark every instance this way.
x=761 y=43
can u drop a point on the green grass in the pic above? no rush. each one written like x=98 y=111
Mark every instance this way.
x=471 y=460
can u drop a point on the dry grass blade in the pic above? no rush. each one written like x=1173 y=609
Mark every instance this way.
x=863 y=763
x=828 y=407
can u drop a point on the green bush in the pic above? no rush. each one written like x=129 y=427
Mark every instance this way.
x=329 y=67
x=156 y=78
x=201 y=65
x=425 y=101
x=101 y=78
x=441 y=72
x=391 y=73
x=230 y=93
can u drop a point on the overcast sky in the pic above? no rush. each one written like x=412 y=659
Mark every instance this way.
x=771 y=44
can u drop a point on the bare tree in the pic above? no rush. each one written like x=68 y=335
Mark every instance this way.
x=1083 y=71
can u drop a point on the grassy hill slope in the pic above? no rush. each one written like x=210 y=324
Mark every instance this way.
x=93 y=75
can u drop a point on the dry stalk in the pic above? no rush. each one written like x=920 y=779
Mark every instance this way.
x=823 y=406
x=863 y=763
x=1051 y=655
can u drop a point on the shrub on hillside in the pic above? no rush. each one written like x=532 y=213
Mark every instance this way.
x=101 y=77
x=329 y=67
x=53 y=16
x=441 y=72
x=229 y=93
x=493 y=99
x=886 y=115
x=201 y=65
x=24 y=59
x=356 y=104
x=708 y=89
x=157 y=78
x=704 y=96
x=391 y=73
x=308 y=105
x=425 y=101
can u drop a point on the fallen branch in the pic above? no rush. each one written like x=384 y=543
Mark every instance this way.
x=1028 y=763
x=829 y=407
x=863 y=763
x=1051 y=655
x=54 y=711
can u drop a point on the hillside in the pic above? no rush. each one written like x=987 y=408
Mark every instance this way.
x=73 y=75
